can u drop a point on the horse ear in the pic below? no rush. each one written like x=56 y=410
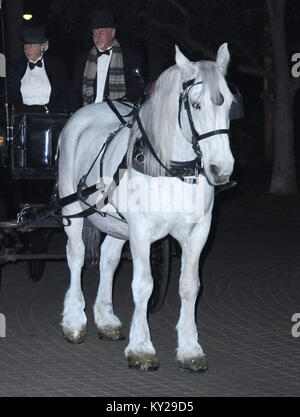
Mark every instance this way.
x=223 y=58
x=186 y=67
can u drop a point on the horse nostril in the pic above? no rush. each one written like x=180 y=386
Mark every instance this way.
x=214 y=169
x=223 y=179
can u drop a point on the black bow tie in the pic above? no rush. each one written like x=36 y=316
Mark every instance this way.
x=38 y=64
x=107 y=52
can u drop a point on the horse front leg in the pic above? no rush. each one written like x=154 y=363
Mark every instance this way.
x=190 y=355
x=108 y=325
x=140 y=352
x=74 y=319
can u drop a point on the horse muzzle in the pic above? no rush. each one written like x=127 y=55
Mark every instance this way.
x=218 y=176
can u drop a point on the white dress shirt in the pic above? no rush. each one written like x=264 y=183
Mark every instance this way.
x=103 y=62
x=35 y=86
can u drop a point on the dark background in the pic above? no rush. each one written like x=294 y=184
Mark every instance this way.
x=250 y=274
x=198 y=27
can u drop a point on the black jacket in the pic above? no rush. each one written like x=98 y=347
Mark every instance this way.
x=57 y=75
x=130 y=61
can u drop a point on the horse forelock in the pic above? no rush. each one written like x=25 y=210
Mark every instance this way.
x=214 y=83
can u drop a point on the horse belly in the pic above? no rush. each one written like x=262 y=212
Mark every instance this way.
x=159 y=203
x=112 y=226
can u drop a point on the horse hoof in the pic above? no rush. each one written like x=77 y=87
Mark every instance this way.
x=198 y=364
x=143 y=361
x=111 y=333
x=75 y=336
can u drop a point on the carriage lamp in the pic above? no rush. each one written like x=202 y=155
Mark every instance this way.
x=137 y=72
x=27 y=16
x=2 y=140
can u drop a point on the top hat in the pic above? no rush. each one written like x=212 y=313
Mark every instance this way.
x=33 y=34
x=102 y=19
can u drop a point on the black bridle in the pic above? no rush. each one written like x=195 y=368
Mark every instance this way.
x=179 y=167
x=196 y=138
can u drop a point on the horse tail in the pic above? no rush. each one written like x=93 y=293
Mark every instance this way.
x=92 y=239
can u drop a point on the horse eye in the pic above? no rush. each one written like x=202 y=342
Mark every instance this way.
x=196 y=106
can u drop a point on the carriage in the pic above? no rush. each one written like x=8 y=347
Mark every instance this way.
x=28 y=173
x=158 y=178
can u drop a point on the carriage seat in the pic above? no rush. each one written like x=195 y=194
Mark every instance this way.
x=34 y=144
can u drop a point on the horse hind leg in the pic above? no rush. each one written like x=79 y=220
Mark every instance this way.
x=108 y=325
x=74 y=319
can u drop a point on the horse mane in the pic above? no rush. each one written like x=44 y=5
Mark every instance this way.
x=160 y=111
x=212 y=80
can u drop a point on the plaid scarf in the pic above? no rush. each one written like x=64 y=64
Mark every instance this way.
x=116 y=80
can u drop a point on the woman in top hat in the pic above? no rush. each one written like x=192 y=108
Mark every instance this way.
x=106 y=69
x=37 y=82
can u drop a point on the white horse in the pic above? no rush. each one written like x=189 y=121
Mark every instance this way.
x=185 y=119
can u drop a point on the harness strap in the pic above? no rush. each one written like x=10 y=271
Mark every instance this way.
x=107 y=142
x=94 y=209
x=213 y=133
x=115 y=110
x=65 y=201
x=196 y=136
x=149 y=145
x=185 y=168
x=184 y=96
x=181 y=98
x=189 y=83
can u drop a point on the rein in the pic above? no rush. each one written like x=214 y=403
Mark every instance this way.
x=185 y=168
x=83 y=191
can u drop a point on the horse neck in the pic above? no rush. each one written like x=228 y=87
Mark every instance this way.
x=160 y=119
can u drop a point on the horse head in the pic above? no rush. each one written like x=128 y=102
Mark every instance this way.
x=207 y=99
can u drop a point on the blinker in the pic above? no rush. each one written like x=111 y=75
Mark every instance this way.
x=237 y=106
x=188 y=84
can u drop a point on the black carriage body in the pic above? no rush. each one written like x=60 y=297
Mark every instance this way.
x=27 y=175
x=27 y=164
x=34 y=144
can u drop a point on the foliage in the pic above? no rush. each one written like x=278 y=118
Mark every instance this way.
x=196 y=26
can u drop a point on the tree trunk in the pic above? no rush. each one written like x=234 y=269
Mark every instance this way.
x=268 y=112
x=13 y=23
x=284 y=171
x=268 y=93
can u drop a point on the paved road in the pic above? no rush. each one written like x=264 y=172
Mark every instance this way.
x=250 y=291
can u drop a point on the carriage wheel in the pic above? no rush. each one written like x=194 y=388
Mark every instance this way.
x=37 y=242
x=3 y=211
x=160 y=268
